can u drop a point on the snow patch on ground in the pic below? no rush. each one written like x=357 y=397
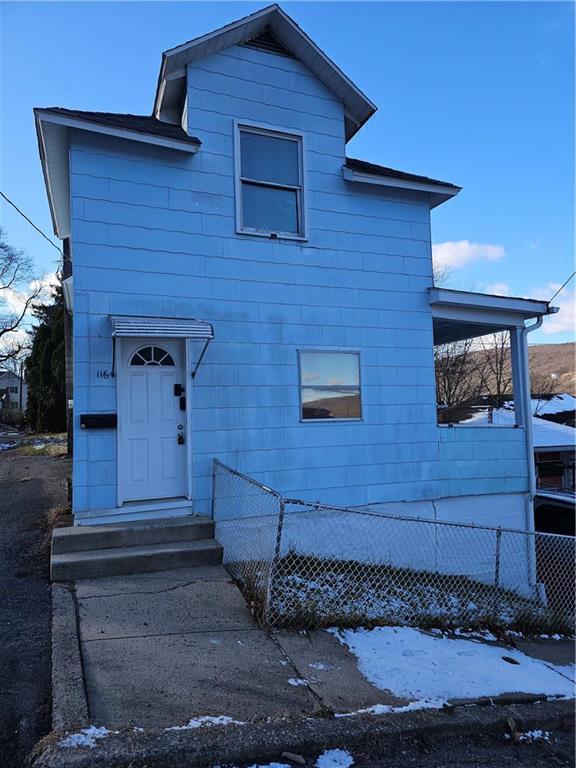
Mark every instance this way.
x=529 y=736
x=335 y=758
x=87 y=737
x=431 y=669
x=297 y=681
x=205 y=721
x=320 y=665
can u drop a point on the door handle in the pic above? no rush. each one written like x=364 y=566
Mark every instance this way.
x=183 y=403
x=180 y=439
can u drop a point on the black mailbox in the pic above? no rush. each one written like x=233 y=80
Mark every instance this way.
x=98 y=421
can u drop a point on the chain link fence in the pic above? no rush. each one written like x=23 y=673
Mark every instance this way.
x=303 y=565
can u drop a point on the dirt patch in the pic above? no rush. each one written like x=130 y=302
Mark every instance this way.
x=30 y=487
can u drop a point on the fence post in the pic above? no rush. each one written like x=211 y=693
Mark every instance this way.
x=213 y=502
x=497 y=563
x=274 y=565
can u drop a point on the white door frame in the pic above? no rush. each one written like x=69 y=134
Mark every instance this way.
x=120 y=351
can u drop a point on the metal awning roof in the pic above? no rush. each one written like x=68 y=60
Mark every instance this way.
x=184 y=328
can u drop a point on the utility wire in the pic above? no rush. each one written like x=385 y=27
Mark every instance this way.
x=564 y=284
x=53 y=244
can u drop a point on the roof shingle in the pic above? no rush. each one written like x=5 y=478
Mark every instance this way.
x=362 y=166
x=139 y=123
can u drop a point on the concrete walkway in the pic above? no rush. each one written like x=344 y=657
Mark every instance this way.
x=159 y=649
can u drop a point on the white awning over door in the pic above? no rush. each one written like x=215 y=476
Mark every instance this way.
x=171 y=327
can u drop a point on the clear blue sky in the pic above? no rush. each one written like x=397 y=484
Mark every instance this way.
x=480 y=94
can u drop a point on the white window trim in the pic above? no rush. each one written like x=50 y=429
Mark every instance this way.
x=279 y=132
x=345 y=350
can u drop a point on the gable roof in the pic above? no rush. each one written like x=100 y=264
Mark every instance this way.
x=273 y=22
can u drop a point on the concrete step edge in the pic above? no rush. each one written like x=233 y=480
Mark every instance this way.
x=87 y=538
x=123 y=561
x=121 y=553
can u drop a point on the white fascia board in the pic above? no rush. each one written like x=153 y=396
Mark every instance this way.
x=55 y=168
x=121 y=133
x=445 y=190
x=444 y=298
x=68 y=290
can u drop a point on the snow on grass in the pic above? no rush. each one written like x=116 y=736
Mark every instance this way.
x=205 y=721
x=335 y=758
x=87 y=737
x=297 y=681
x=320 y=665
x=431 y=669
x=529 y=736
x=397 y=595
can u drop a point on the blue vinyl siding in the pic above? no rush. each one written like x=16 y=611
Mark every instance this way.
x=154 y=233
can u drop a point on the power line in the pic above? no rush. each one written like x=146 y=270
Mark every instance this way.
x=562 y=286
x=31 y=222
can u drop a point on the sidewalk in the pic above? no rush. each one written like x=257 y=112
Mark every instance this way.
x=180 y=649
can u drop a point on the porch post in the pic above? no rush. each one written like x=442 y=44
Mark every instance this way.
x=517 y=375
x=521 y=371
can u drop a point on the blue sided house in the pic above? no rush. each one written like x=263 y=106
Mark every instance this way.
x=242 y=289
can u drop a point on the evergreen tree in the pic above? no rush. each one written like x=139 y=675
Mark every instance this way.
x=46 y=368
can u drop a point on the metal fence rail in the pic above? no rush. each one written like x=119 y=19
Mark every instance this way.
x=304 y=565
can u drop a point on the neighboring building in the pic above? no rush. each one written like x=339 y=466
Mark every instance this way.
x=242 y=289
x=13 y=392
x=559 y=408
x=554 y=444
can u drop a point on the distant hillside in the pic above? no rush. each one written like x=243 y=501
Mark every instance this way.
x=556 y=361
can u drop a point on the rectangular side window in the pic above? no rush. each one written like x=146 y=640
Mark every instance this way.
x=270 y=183
x=330 y=385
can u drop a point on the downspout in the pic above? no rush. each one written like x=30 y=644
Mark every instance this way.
x=528 y=432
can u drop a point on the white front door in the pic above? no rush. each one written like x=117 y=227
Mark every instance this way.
x=151 y=420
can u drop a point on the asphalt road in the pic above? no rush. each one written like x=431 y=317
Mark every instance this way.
x=475 y=752
x=29 y=487
x=451 y=752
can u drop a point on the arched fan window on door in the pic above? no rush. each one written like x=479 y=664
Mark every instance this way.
x=151 y=356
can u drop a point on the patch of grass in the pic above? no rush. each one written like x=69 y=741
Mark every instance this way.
x=309 y=592
x=58 y=517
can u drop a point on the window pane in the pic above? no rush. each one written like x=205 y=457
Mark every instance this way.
x=268 y=158
x=329 y=369
x=269 y=209
x=330 y=403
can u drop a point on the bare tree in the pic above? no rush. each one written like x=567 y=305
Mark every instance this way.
x=542 y=387
x=494 y=366
x=16 y=298
x=457 y=380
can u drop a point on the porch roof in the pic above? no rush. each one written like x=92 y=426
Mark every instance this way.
x=461 y=315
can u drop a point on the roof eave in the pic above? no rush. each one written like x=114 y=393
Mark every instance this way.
x=85 y=124
x=526 y=308
x=438 y=192
x=56 y=164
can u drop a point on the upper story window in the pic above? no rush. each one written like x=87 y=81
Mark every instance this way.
x=330 y=385
x=270 y=188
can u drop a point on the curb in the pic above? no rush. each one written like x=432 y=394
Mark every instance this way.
x=266 y=741
x=69 y=701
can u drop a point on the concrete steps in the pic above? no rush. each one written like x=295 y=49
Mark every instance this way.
x=97 y=551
